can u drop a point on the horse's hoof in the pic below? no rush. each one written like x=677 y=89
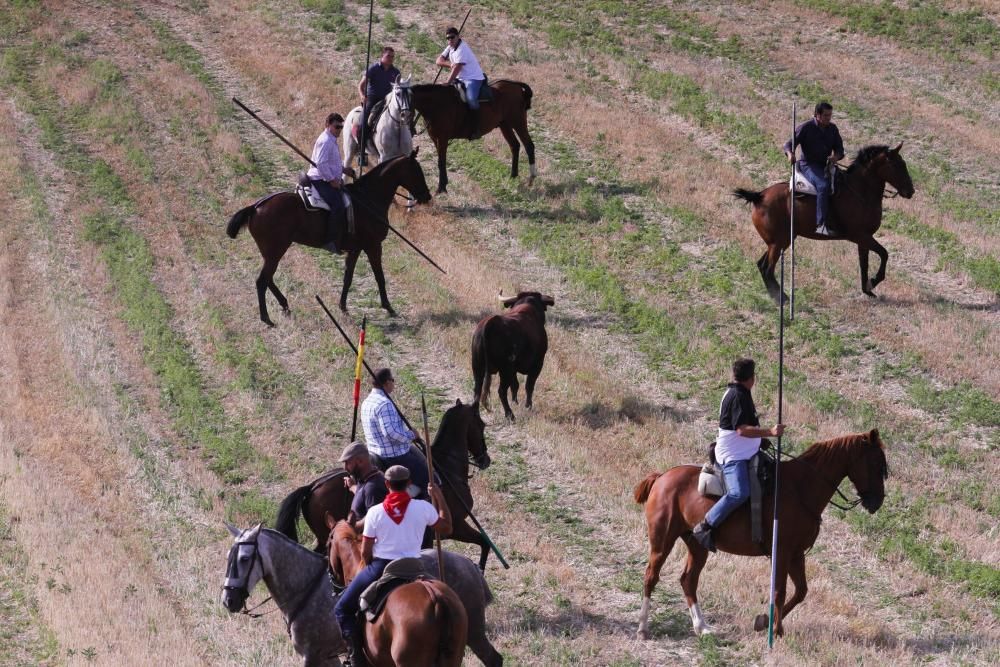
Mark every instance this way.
x=510 y=417
x=267 y=321
x=442 y=190
x=642 y=634
x=760 y=622
x=287 y=312
x=388 y=309
x=869 y=294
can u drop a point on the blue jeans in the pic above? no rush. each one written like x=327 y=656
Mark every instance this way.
x=415 y=462
x=330 y=195
x=346 y=609
x=816 y=174
x=737 y=476
x=472 y=92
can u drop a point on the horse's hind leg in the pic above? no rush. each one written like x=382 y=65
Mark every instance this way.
x=697 y=555
x=265 y=280
x=521 y=127
x=515 y=147
x=661 y=542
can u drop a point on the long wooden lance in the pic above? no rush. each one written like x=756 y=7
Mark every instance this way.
x=362 y=160
x=791 y=218
x=360 y=200
x=430 y=475
x=357 y=376
x=441 y=473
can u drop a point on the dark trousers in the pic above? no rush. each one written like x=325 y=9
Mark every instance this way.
x=816 y=174
x=346 y=609
x=415 y=462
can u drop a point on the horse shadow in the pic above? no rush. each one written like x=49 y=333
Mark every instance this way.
x=569 y=622
x=598 y=415
x=941 y=301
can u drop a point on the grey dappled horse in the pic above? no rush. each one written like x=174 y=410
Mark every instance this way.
x=297 y=580
x=392 y=136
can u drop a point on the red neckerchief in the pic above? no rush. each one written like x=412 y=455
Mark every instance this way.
x=395 y=505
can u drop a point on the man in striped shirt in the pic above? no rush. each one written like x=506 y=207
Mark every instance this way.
x=389 y=441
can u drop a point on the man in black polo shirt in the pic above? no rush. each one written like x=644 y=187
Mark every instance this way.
x=737 y=442
x=373 y=87
x=366 y=483
x=821 y=144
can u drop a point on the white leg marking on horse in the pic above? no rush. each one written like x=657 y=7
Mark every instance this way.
x=700 y=626
x=643 y=632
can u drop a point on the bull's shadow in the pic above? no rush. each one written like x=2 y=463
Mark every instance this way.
x=599 y=415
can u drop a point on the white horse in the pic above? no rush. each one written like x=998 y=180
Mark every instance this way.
x=392 y=134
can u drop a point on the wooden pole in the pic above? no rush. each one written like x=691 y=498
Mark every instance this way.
x=362 y=161
x=430 y=476
x=791 y=216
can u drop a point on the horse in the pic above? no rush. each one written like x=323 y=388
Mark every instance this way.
x=459 y=439
x=277 y=221
x=673 y=506
x=855 y=209
x=445 y=114
x=460 y=574
x=392 y=136
x=423 y=622
x=298 y=583
x=326 y=493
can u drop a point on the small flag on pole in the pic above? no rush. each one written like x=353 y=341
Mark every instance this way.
x=357 y=376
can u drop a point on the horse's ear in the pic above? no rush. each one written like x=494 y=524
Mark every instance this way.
x=475 y=405
x=897 y=148
x=873 y=437
x=408 y=78
x=330 y=521
x=458 y=402
x=233 y=530
x=413 y=153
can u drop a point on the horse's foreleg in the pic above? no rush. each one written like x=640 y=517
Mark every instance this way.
x=767 y=272
x=349 y=263
x=375 y=259
x=797 y=572
x=521 y=127
x=866 y=284
x=697 y=555
x=442 y=149
x=883 y=256
x=515 y=147
x=463 y=532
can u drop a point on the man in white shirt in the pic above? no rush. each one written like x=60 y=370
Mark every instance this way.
x=327 y=176
x=394 y=529
x=738 y=441
x=464 y=67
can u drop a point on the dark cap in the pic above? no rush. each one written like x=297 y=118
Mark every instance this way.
x=382 y=376
x=397 y=473
x=452 y=30
x=352 y=450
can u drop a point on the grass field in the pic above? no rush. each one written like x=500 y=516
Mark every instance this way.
x=143 y=402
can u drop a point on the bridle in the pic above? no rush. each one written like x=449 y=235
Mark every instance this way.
x=239 y=584
x=405 y=107
x=849 y=504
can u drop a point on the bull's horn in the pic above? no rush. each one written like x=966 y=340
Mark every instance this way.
x=548 y=299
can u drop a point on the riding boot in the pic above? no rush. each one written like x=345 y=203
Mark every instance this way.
x=702 y=534
x=356 y=651
x=473 y=120
x=331 y=246
x=823 y=230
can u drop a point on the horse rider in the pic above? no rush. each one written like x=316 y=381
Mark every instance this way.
x=327 y=174
x=365 y=481
x=738 y=441
x=821 y=145
x=393 y=529
x=390 y=442
x=373 y=88
x=464 y=67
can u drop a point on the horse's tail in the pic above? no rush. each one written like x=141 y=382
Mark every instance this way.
x=445 y=619
x=643 y=488
x=288 y=512
x=750 y=196
x=240 y=218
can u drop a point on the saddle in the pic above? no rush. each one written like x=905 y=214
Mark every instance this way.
x=485 y=92
x=712 y=484
x=313 y=202
x=373 y=117
x=398 y=572
x=804 y=187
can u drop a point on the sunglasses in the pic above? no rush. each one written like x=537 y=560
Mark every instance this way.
x=337 y=127
x=451 y=37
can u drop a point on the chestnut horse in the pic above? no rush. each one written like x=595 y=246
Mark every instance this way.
x=445 y=114
x=674 y=506
x=423 y=622
x=277 y=221
x=855 y=212
x=459 y=439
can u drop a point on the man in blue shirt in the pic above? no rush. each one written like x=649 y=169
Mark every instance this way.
x=365 y=482
x=821 y=144
x=373 y=87
x=386 y=434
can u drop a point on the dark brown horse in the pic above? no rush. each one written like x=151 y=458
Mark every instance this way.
x=855 y=212
x=445 y=115
x=459 y=439
x=423 y=622
x=674 y=506
x=281 y=219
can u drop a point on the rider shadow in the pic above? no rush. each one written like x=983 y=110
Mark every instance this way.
x=447 y=318
x=942 y=302
x=598 y=415
x=570 y=622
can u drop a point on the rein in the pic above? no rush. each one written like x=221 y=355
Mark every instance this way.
x=849 y=504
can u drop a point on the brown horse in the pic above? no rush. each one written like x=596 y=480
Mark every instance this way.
x=445 y=115
x=855 y=211
x=277 y=221
x=674 y=506
x=459 y=439
x=423 y=622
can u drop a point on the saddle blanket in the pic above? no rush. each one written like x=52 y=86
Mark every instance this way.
x=802 y=184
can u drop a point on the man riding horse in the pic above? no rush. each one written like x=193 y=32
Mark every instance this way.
x=738 y=441
x=821 y=146
x=394 y=529
x=327 y=176
x=465 y=68
x=364 y=480
x=390 y=442
x=374 y=86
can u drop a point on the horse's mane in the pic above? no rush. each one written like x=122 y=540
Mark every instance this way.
x=281 y=536
x=827 y=451
x=446 y=424
x=378 y=170
x=866 y=155
x=345 y=531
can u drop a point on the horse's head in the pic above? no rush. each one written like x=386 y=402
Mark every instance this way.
x=463 y=425
x=412 y=178
x=401 y=102
x=888 y=166
x=244 y=569
x=869 y=470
